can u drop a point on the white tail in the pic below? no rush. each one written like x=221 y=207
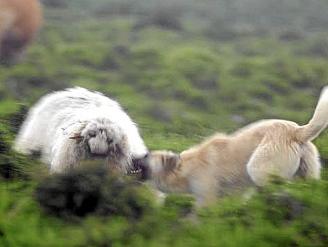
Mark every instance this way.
x=319 y=120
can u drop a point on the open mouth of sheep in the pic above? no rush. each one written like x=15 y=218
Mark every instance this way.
x=135 y=171
x=136 y=167
x=139 y=169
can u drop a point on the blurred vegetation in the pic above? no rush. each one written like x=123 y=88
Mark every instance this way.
x=182 y=69
x=91 y=190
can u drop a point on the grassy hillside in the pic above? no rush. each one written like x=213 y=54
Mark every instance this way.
x=183 y=70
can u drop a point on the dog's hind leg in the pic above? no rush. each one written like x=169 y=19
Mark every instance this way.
x=310 y=165
x=276 y=155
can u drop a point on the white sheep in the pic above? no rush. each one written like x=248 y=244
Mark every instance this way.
x=76 y=124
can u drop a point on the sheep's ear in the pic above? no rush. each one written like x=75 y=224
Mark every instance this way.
x=171 y=161
x=74 y=130
x=76 y=136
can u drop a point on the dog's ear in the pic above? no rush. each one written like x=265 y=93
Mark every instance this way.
x=171 y=161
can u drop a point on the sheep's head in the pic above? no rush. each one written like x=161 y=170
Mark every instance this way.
x=102 y=138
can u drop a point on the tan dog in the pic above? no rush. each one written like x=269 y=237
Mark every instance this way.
x=249 y=156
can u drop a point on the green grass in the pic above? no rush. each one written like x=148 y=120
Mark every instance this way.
x=281 y=215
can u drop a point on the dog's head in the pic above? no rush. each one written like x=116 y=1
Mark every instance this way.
x=158 y=164
x=101 y=138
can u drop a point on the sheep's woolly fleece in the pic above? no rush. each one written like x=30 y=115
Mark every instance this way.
x=75 y=124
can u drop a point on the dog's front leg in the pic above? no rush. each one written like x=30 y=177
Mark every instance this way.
x=204 y=189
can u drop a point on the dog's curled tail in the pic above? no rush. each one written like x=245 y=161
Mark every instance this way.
x=318 y=122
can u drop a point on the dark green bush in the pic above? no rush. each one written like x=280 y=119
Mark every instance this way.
x=91 y=190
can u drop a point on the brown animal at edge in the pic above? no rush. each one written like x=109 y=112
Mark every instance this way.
x=20 y=20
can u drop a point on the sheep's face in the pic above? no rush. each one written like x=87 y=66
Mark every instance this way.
x=103 y=139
